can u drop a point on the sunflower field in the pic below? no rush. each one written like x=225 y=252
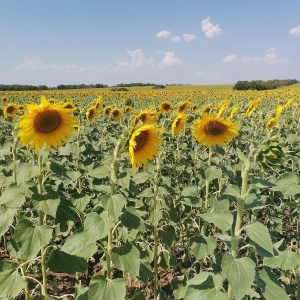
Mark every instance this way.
x=150 y=195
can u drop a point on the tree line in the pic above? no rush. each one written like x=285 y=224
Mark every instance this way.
x=261 y=85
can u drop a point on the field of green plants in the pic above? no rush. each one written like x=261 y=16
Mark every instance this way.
x=182 y=194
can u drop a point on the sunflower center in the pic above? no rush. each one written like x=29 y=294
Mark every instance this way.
x=166 y=106
x=214 y=128
x=177 y=122
x=10 y=109
x=115 y=113
x=141 y=140
x=47 y=121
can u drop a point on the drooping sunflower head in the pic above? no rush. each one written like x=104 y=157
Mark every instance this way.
x=214 y=130
x=182 y=106
x=46 y=124
x=165 y=107
x=91 y=113
x=116 y=114
x=178 y=123
x=143 y=144
x=10 y=110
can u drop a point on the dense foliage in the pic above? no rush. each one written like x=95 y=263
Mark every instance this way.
x=196 y=221
x=260 y=85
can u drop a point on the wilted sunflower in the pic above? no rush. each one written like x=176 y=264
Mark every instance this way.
x=46 y=124
x=182 y=106
x=272 y=122
x=165 y=107
x=107 y=110
x=146 y=117
x=116 y=114
x=178 y=124
x=10 y=110
x=144 y=143
x=214 y=130
x=91 y=113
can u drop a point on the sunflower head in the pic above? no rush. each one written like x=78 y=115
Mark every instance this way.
x=116 y=114
x=143 y=143
x=148 y=116
x=10 y=110
x=165 y=107
x=214 y=130
x=178 y=123
x=69 y=105
x=4 y=99
x=46 y=124
x=107 y=110
x=182 y=106
x=91 y=113
x=272 y=122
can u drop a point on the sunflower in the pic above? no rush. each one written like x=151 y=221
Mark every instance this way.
x=91 y=113
x=165 y=107
x=178 y=123
x=46 y=124
x=146 y=117
x=10 y=110
x=107 y=110
x=128 y=109
x=194 y=107
x=213 y=130
x=116 y=114
x=252 y=107
x=144 y=143
x=272 y=122
x=98 y=102
x=279 y=111
x=182 y=106
x=4 y=99
x=69 y=106
x=207 y=109
x=233 y=112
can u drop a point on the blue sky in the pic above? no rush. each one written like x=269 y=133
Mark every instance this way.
x=167 y=41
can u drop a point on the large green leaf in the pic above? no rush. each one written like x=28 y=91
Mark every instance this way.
x=102 y=288
x=113 y=204
x=286 y=260
x=99 y=172
x=97 y=226
x=6 y=217
x=259 y=234
x=25 y=172
x=131 y=218
x=126 y=258
x=240 y=273
x=81 y=293
x=221 y=219
x=202 y=246
x=212 y=173
x=31 y=238
x=205 y=291
x=59 y=261
x=47 y=203
x=66 y=212
x=77 y=244
x=270 y=287
x=12 y=197
x=11 y=284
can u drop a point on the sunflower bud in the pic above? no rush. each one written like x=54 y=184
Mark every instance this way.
x=271 y=153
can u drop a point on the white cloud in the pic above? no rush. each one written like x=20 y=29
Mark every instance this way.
x=270 y=58
x=230 y=58
x=170 y=60
x=176 y=39
x=164 y=34
x=188 y=37
x=38 y=65
x=210 y=30
x=137 y=60
x=295 y=31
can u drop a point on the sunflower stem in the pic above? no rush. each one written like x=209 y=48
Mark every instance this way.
x=155 y=231
x=240 y=210
x=14 y=154
x=113 y=190
x=207 y=182
x=42 y=219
